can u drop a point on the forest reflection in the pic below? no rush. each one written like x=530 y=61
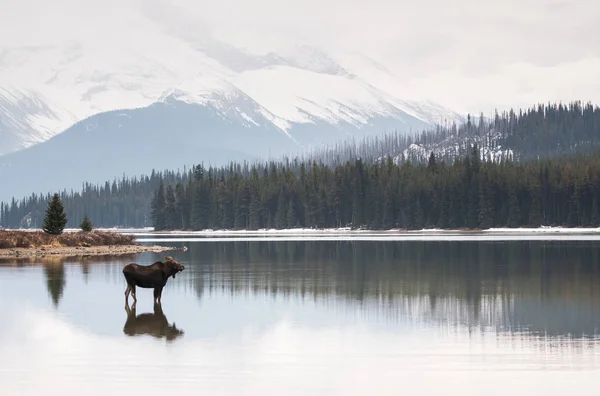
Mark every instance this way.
x=537 y=288
x=542 y=288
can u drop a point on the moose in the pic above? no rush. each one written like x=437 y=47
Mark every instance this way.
x=152 y=276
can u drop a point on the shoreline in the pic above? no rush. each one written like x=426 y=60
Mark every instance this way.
x=81 y=251
x=347 y=231
x=149 y=231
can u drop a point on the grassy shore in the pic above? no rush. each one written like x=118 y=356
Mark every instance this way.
x=38 y=239
x=39 y=244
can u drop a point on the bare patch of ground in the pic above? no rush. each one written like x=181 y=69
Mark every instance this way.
x=66 y=251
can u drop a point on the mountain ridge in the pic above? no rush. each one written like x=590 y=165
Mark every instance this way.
x=45 y=90
x=166 y=135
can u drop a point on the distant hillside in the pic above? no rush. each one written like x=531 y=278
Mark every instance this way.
x=544 y=131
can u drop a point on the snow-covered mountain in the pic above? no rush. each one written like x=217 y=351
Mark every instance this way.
x=46 y=89
x=151 y=91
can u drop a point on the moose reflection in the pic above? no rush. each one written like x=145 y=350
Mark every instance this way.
x=154 y=324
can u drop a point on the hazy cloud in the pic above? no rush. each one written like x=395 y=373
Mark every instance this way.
x=468 y=54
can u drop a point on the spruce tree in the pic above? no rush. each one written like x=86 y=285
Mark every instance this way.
x=172 y=219
x=486 y=211
x=159 y=218
x=573 y=210
x=56 y=218
x=444 y=219
x=86 y=224
x=291 y=219
x=432 y=164
x=200 y=208
x=595 y=220
x=388 y=208
x=281 y=220
x=254 y=212
x=535 y=215
x=514 y=209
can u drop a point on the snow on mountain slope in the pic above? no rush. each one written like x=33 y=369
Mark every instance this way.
x=373 y=73
x=490 y=144
x=300 y=96
x=25 y=120
x=47 y=89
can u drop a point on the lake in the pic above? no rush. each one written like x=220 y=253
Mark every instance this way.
x=259 y=316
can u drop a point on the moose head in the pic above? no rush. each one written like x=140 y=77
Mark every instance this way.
x=172 y=267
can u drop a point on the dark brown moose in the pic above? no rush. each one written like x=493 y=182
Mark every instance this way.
x=154 y=324
x=153 y=276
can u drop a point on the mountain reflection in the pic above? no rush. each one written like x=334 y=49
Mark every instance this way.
x=542 y=288
x=154 y=324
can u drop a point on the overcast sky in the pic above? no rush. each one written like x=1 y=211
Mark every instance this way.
x=469 y=54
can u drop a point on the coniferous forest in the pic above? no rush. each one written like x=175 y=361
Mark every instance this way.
x=552 y=179
x=124 y=202
x=466 y=194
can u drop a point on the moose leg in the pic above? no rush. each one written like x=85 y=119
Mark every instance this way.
x=127 y=309
x=133 y=294
x=160 y=295
x=127 y=291
x=157 y=293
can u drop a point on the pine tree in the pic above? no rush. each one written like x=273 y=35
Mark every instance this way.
x=254 y=212
x=159 y=218
x=86 y=224
x=56 y=218
x=180 y=205
x=418 y=222
x=226 y=211
x=291 y=219
x=573 y=209
x=432 y=163
x=444 y=219
x=486 y=213
x=514 y=209
x=200 y=209
x=388 y=208
x=281 y=220
x=173 y=220
x=535 y=215
x=242 y=208
x=595 y=216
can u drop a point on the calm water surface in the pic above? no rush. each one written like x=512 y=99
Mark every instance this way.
x=311 y=317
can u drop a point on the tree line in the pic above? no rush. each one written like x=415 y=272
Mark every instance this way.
x=124 y=202
x=469 y=193
x=542 y=131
